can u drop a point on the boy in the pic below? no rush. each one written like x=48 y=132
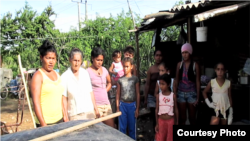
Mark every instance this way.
x=129 y=51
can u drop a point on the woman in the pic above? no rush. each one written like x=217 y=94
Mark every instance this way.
x=78 y=98
x=152 y=76
x=101 y=84
x=187 y=83
x=47 y=89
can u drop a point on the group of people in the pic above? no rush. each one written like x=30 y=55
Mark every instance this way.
x=80 y=94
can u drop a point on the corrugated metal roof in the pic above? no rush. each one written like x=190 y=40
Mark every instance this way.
x=190 y=6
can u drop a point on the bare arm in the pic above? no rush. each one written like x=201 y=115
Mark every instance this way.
x=156 y=89
x=36 y=86
x=118 y=94
x=108 y=83
x=157 y=108
x=230 y=96
x=176 y=111
x=94 y=104
x=137 y=99
x=65 y=108
x=205 y=91
x=198 y=84
x=176 y=80
x=147 y=87
x=111 y=69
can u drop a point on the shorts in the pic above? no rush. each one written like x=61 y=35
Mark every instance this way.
x=151 y=101
x=104 y=110
x=220 y=115
x=189 y=97
x=165 y=130
x=83 y=116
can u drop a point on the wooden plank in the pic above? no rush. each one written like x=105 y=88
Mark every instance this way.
x=80 y=126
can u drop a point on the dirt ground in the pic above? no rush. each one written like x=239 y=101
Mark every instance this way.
x=9 y=115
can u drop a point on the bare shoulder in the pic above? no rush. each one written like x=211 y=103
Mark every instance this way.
x=37 y=75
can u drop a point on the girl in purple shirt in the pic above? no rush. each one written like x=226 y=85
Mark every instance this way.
x=101 y=84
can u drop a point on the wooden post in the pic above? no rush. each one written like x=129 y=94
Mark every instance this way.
x=138 y=55
x=189 y=30
x=77 y=127
x=26 y=90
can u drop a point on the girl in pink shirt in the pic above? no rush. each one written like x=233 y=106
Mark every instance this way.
x=166 y=111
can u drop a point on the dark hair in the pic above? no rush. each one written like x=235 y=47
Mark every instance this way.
x=129 y=49
x=221 y=64
x=164 y=65
x=156 y=51
x=127 y=59
x=46 y=47
x=96 y=52
x=75 y=51
x=115 y=53
x=166 y=78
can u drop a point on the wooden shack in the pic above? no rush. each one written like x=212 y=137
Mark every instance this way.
x=228 y=30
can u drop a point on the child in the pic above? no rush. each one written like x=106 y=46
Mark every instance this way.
x=128 y=99
x=129 y=51
x=166 y=111
x=163 y=69
x=116 y=68
x=221 y=97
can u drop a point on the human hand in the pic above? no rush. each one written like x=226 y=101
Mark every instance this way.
x=230 y=116
x=65 y=119
x=196 y=102
x=209 y=104
x=157 y=128
x=97 y=114
x=136 y=113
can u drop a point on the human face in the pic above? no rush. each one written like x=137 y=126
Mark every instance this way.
x=163 y=85
x=97 y=62
x=162 y=70
x=220 y=71
x=127 y=67
x=48 y=61
x=185 y=55
x=117 y=59
x=127 y=54
x=76 y=62
x=158 y=57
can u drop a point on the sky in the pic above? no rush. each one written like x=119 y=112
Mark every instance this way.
x=67 y=10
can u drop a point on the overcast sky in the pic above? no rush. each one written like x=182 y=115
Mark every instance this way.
x=68 y=11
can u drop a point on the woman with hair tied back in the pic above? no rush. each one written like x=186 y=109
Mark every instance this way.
x=78 y=97
x=47 y=89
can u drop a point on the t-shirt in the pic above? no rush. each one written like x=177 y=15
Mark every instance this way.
x=128 y=88
x=99 y=84
x=77 y=91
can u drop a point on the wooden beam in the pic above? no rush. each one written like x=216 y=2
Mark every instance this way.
x=189 y=22
x=138 y=55
x=77 y=127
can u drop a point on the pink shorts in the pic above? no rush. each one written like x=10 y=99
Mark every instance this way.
x=165 y=130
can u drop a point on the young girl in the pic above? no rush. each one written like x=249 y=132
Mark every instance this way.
x=166 y=112
x=128 y=99
x=163 y=69
x=116 y=68
x=221 y=97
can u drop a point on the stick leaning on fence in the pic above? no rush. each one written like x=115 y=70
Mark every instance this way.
x=77 y=127
x=26 y=90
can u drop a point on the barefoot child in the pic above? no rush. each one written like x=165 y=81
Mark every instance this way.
x=116 y=68
x=221 y=97
x=166 y=111
x=128 y=99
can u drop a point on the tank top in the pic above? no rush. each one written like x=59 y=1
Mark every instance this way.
x=119 y=69
x=185 y=84
x=51 y=99
x=220 y=96
x=166 y=104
